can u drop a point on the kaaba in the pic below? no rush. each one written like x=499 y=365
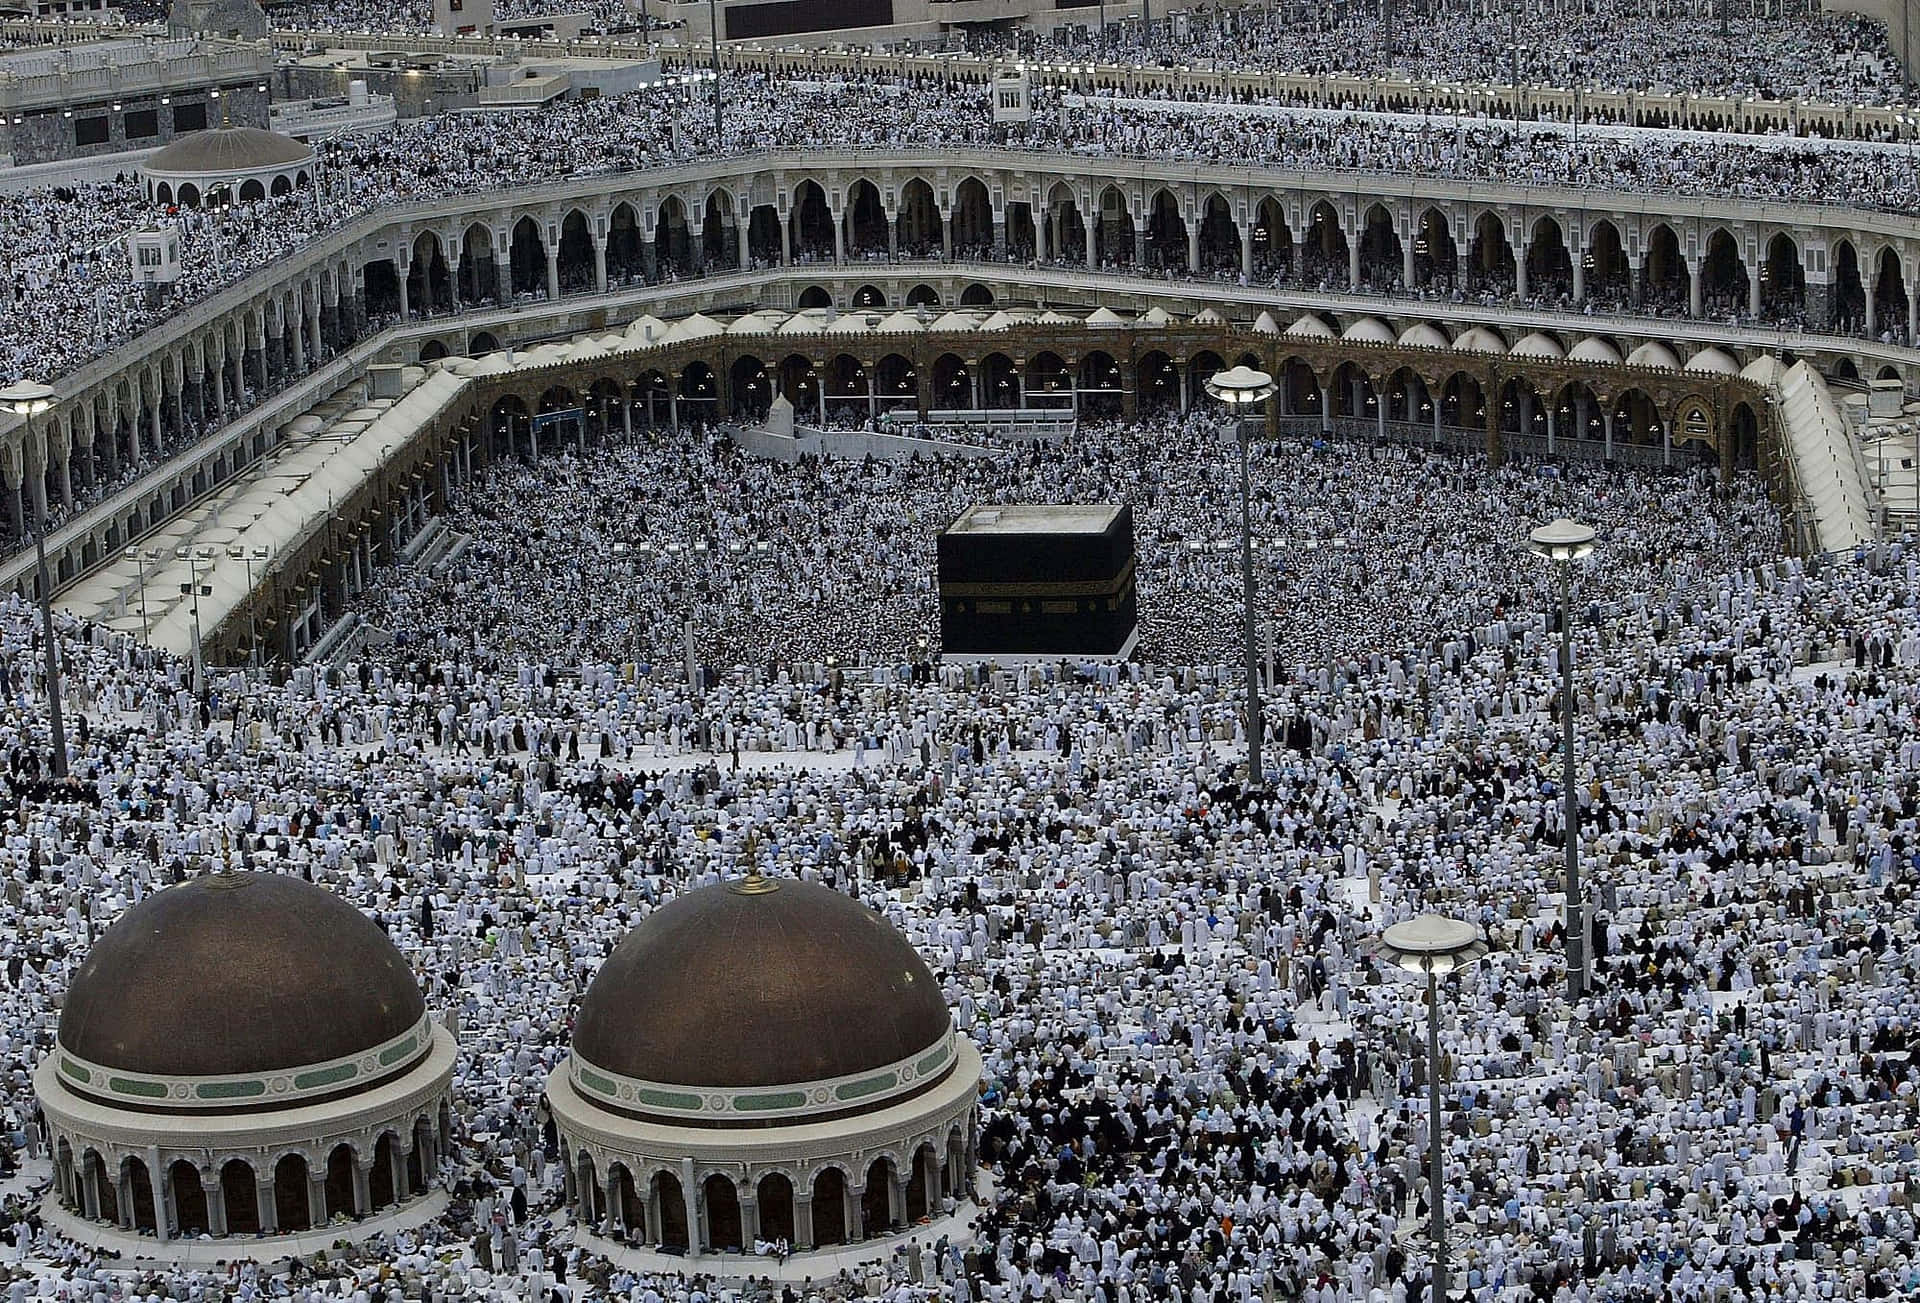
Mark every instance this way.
x=1032 y=582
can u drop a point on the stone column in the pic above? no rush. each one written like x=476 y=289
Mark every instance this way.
x=1606 y=418
x=1353 y=264
x=1550 y=431
x=896 y=1200
x=1092 y=255
x=123 y=1199
x=553 y=266
x=160 y=1181
x=749 y=1219
x=851 y=1197
x=1873 y=305
x=1246 y=249
x=406 y=301
x=503 y=269
x=216 y=1204
x=1326 y=410
x=1579 y=277
x=1695 y=291
x=690 y=1195
x=839 y=237
x=1193 y=248
x=931 y=1180
x=893 y=235
x=946 y=236
x=264 y=1202
x=1406 y=263
x=396 y=1158
x=802 y=1220
x=616 y=1207
x=90 y=1189
x=599 y=265
x=316 y=1199
x=1520 y=272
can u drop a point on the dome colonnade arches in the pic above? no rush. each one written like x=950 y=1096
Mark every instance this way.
x=286 y=1086
x=834 y=1102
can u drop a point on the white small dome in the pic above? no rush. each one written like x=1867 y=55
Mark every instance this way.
x=1594 y=349
x=1422 y=335
x=1713 y=361
x=1369 y=330
x=1478 y=339
x=1654 y=353
x=1539 y=345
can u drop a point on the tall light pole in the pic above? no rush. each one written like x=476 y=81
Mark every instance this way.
x=28 y=399
x=141 y=558
x=1434 y=945
x=194 y=590
x=249 y=555
x=1241 y=389
x=1563 y=542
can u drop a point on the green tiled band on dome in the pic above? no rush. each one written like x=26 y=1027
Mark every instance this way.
x=762 y=1103
x=290 y=1087
x=790 y=1100
x=326 y=1076
x=676 y=1100
x=870 y=1086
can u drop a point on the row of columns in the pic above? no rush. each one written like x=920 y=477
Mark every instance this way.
x=938 y=1180
x=80 y=1190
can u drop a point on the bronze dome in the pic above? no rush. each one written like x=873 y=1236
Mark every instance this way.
x=224 y=151
x=733 y=986
x=238 y=973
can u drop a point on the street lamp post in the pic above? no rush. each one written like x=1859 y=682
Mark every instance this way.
x=1433 y=944
x=193 y=590
x=248 y=556
x=141 y=558
x=28 y=399
x=1241 y=389
x=1563 y=542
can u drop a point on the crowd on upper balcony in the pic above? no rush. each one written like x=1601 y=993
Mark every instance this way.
x=69 y=297
x=1739 y=49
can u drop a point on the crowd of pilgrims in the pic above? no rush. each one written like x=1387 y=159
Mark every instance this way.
x=69 y=294
x=1752 y=49
x=1741 y=50
x=615 y=557
x=1200 y=1085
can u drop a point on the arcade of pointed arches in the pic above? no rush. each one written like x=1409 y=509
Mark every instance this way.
x=258 y=1191
x=726 y=1207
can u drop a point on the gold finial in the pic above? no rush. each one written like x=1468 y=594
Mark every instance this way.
x=753 y=884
